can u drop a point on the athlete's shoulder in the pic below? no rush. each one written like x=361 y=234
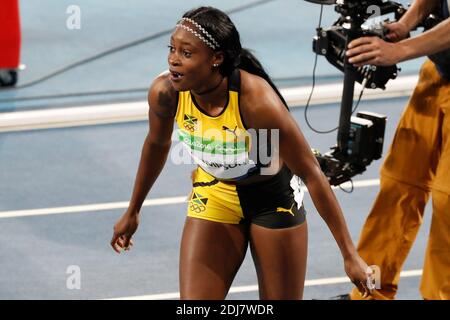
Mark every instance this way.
x=257 y=96
x=254 y=88
x=252 y=83
x=162 y=97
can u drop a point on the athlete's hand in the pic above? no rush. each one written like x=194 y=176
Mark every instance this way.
x=360 y=274
x=124 y=229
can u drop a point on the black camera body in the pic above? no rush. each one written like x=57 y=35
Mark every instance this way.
x=332 y=44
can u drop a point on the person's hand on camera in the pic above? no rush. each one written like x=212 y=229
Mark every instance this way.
x=124 y=229
x=373 y=51
x=397 y=31
x=360 y=274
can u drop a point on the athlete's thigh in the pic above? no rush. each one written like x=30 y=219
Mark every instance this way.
x=211 y=254
x=280 y=260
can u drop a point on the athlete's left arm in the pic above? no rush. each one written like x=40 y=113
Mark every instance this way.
x=263 y=109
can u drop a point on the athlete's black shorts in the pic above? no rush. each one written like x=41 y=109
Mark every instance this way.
x=269 y=203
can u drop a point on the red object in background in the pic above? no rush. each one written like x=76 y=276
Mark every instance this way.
x=9 y=34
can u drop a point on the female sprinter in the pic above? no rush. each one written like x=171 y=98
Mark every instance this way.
x=213 y=84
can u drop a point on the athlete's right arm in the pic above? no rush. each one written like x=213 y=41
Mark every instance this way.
x=162 y=100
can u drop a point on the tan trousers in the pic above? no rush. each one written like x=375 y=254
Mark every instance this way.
x=418 y=163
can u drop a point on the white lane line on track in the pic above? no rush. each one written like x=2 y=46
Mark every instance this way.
x=124 y=204
x=253 y=288
x=88 y=208
x=137 y=111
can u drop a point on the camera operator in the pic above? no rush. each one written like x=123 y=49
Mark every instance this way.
x=418 y=162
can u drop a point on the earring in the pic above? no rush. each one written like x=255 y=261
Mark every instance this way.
x=215 y=65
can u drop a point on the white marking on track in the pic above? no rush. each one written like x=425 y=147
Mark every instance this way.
x=253 y=288
x=138 y=111
x=124 y=204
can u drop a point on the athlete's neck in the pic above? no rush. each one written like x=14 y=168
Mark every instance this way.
x=210 y=89
x=213 y=96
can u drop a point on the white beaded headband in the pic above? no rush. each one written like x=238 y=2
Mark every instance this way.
x=212 y=43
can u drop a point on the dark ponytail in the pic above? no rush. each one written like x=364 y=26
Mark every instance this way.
x=220 y=26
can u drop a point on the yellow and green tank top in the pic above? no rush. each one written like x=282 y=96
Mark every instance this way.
x=220 y=145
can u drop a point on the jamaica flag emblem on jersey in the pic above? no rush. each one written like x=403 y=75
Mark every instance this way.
x=190 y=123
x=198 y=202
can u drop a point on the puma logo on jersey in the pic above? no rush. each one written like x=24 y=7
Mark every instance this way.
x=229 y=130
